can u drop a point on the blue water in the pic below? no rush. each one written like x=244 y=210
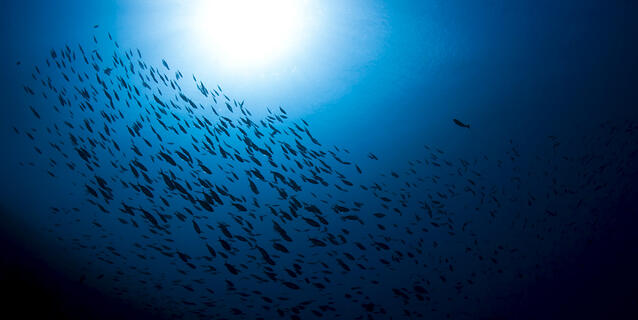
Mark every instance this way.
x=134 y=189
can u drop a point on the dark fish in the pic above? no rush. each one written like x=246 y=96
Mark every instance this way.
x=317 y=242
x=291 y=285
x=211 y=250
x=196 y=227
x=281 y=231
x=266 y=256
x=231 y=268
x=280 y=247
x=225 y=244
x=311 y=222
x=461 y=124
x=253 y=187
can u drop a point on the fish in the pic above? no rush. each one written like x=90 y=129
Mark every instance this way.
x=140 y=147
x=461 y=124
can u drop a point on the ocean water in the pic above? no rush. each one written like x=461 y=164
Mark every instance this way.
x=406 y=160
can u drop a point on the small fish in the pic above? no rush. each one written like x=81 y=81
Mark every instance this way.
x=461 y=124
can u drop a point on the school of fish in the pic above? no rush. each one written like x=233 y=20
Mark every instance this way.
x=195 y=208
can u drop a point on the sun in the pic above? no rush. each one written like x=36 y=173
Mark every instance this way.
x=248 y=33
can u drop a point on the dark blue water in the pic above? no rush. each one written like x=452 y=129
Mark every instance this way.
x=413 y=159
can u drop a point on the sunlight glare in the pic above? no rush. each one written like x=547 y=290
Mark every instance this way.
x=248 y=33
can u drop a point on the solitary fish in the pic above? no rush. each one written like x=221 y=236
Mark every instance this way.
x=461 y=124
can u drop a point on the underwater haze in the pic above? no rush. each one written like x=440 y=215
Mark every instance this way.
x=319 y=159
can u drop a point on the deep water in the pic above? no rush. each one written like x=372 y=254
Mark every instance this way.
x=474 y=160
